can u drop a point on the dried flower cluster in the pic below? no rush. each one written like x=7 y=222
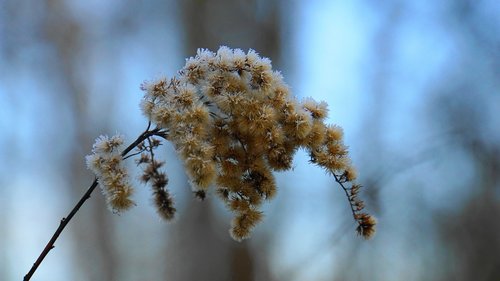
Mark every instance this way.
x=157 y=179
x=233 y=122
x=106 y=162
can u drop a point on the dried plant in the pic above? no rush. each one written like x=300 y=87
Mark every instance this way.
x=232 y=121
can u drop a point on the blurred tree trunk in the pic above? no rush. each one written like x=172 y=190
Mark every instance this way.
x=93 y=235
x=470 y=234
x=207 y=252
x=241 y=24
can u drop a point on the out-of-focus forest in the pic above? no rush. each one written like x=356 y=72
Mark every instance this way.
x=414 y=84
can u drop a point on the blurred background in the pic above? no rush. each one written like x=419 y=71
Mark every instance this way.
x=416 y=87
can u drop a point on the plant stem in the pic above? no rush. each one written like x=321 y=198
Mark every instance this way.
x=62 y=225
x=337 y=179
x=64 y=221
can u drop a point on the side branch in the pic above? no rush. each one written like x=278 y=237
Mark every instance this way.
x=349 y=196
x=366 y=223
x=64 y=221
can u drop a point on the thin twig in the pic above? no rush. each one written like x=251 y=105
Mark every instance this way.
x=339 y=181
x=64 y=221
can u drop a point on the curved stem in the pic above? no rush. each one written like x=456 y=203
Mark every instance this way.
x=339 y=181
x=64 y=221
